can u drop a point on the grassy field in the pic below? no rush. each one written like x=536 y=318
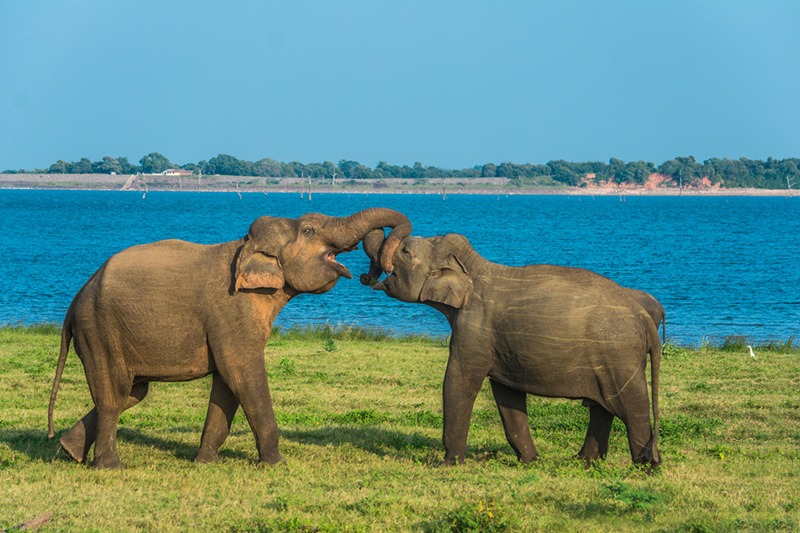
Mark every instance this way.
x=360 y=419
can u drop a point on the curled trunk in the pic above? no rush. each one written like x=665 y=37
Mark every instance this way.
x=372 y=245
x=347 y=232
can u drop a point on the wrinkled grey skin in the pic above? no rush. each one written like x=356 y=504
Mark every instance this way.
x=541 y=329
x=653 y=308
x=178 y=311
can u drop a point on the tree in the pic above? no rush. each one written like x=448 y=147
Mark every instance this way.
x=508 y=170
x=563 y=172
x=489 y=170
x=267 y=167
x=154 y=163
x=84 y=166
x=683 y=168
x=59 y=166
x=126 y=166
x=348 y=168
x=107 y=165
x=227 y=165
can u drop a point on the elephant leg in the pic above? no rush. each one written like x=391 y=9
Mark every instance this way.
x=461 y=386
x=514 y=414
x=79 y=439
x=595 y=445
x=251 y=387
x=221 y=408
x=634 y=411
x=109 y=403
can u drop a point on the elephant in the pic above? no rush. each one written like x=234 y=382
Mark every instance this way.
x=653 y=308
x=546 y=330
x=177 y=311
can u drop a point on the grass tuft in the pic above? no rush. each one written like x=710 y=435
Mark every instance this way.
x=481 y=517
x=38 y=328
x=344 y=332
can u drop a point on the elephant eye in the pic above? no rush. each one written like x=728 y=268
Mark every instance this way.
x=308 y=231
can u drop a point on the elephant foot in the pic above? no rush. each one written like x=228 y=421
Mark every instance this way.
x=588 y=462
x=529 y=459
x=75 y=448
x=206 y=455
x=592 y=451
x=111 y=462
x=272 y=459
x=451 y=461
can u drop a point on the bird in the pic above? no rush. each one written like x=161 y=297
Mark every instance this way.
x=751 y=352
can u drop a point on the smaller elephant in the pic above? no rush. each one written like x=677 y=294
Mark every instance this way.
x=653 y=308
x=546 y=330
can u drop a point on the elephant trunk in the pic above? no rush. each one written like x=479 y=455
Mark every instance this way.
x=372 y=245
x=347 y=232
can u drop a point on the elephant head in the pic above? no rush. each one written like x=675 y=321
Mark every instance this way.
x=301 y=253
x=426 y=270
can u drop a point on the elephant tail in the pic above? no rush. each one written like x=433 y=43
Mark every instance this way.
x=664 y=328
x=655 y=368
x=66 y=337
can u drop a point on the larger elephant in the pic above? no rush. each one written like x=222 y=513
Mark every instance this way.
x=178 y=311
x=540 y=329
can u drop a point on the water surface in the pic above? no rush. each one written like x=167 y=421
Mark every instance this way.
x=720 y=265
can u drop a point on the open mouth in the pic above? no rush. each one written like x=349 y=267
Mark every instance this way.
x=337 y=266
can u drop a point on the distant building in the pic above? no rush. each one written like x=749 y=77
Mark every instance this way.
x=177 y=172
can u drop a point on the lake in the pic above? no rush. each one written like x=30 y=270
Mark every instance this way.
x=720 y=265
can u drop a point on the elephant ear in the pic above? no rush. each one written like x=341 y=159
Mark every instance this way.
x=449 y=284
x=255 y=269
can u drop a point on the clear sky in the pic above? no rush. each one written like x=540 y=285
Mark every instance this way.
x=451 y=84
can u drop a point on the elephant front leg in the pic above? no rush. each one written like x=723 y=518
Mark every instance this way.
x=221 y=408
x=595 y=445
x=251 y=387
x=79 y=439
x=513 y=409
x=461 y=387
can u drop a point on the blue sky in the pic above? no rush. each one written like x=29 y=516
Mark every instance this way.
x=449 y=84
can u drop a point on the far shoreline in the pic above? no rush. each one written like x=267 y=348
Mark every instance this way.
x=443 y=187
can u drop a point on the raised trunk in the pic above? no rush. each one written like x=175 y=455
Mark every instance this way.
x=347 y=232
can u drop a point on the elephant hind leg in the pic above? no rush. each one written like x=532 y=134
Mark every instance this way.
x=595 y=445
x=79 y=439
x=514 y=413
x=221 y=408
x=635 y=414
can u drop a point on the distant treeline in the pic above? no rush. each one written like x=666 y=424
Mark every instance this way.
x=769 y=174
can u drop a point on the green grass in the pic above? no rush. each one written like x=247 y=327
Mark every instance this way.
x=360 y=418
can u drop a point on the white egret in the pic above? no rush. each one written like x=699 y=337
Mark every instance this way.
x=751 y=352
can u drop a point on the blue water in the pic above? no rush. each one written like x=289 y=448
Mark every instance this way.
x=720 y=265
